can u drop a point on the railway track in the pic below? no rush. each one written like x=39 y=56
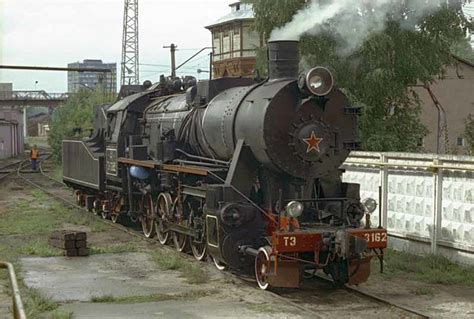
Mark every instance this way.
x=9 y=169
x=299 y=298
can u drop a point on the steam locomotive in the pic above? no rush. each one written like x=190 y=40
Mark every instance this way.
x=245 y=173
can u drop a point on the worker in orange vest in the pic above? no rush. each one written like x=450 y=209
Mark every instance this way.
x=34 y=157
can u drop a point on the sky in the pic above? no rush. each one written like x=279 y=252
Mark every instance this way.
x=58 y=32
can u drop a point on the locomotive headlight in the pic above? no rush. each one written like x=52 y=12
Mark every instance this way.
x=370 y=205
x=317 y=81
x=294 y=209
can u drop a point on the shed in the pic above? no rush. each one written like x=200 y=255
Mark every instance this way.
x=11 y=132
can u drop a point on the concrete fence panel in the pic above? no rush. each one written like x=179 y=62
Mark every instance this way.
x=427 y=200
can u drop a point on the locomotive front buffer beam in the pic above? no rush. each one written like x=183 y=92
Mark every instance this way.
x=285 y=262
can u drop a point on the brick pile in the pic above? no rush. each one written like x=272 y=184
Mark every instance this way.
x=74 y=243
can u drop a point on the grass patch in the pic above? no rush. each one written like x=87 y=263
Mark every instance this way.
x=189 y=295
x=423 y=291
x=7 y=253
x=80 y=218
x=57 y=173
x=36 y=303
x=23 y=205
x=26 y=218
x=263 y=307
x=38 y=194
x=41 y=249
x=41 y=216
x=60 y=314
x=188 y=269
x=114 y=249
x=430 y=269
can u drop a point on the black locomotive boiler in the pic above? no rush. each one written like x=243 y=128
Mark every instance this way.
x=246 y=173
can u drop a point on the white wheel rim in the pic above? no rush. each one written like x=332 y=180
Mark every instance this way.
x=96 y=207
x=163 y=237
x=261 y=267
x=219 y=265
x=148 y=227
x=199 y=255
x=179 y=241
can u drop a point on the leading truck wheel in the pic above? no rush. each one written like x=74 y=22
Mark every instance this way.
x=263 y=267
x=148 y=216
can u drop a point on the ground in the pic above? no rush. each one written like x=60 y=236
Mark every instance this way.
x=126 y=277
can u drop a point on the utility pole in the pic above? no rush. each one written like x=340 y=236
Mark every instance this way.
x=129 y=70
x=172 y=48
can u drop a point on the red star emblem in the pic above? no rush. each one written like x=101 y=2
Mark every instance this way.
x=312 y=142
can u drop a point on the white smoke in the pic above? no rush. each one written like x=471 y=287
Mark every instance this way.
x=351 y=20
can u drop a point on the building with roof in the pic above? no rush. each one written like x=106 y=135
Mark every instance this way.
x=91 y=80
x=11 y=132
x=445 y=107
x=11 y=127
x=235 y=42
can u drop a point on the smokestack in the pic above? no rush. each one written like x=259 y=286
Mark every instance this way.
x=283 y=59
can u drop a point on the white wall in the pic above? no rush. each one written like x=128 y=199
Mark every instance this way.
x=426 y=198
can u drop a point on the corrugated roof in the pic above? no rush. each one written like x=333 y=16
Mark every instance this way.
x=245 y=13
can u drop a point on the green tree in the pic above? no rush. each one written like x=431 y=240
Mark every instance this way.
x=469 y=133
x=380 y=73
x=73 y=118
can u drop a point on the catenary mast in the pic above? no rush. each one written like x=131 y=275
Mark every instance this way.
x=129 y=70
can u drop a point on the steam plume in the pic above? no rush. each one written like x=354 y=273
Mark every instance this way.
x=352 y=20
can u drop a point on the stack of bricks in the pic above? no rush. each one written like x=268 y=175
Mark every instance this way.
x=74 y=243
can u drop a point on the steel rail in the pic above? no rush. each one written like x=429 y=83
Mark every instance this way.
x=385 y=301
x=11 y=164
x=368 y=295
x=154 y=241
x=46 y=175
x=6 y=174
x=18 y=308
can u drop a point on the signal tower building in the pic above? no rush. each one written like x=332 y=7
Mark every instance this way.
x=235 y=42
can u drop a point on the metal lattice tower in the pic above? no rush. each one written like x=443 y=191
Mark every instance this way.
x=129 y=72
